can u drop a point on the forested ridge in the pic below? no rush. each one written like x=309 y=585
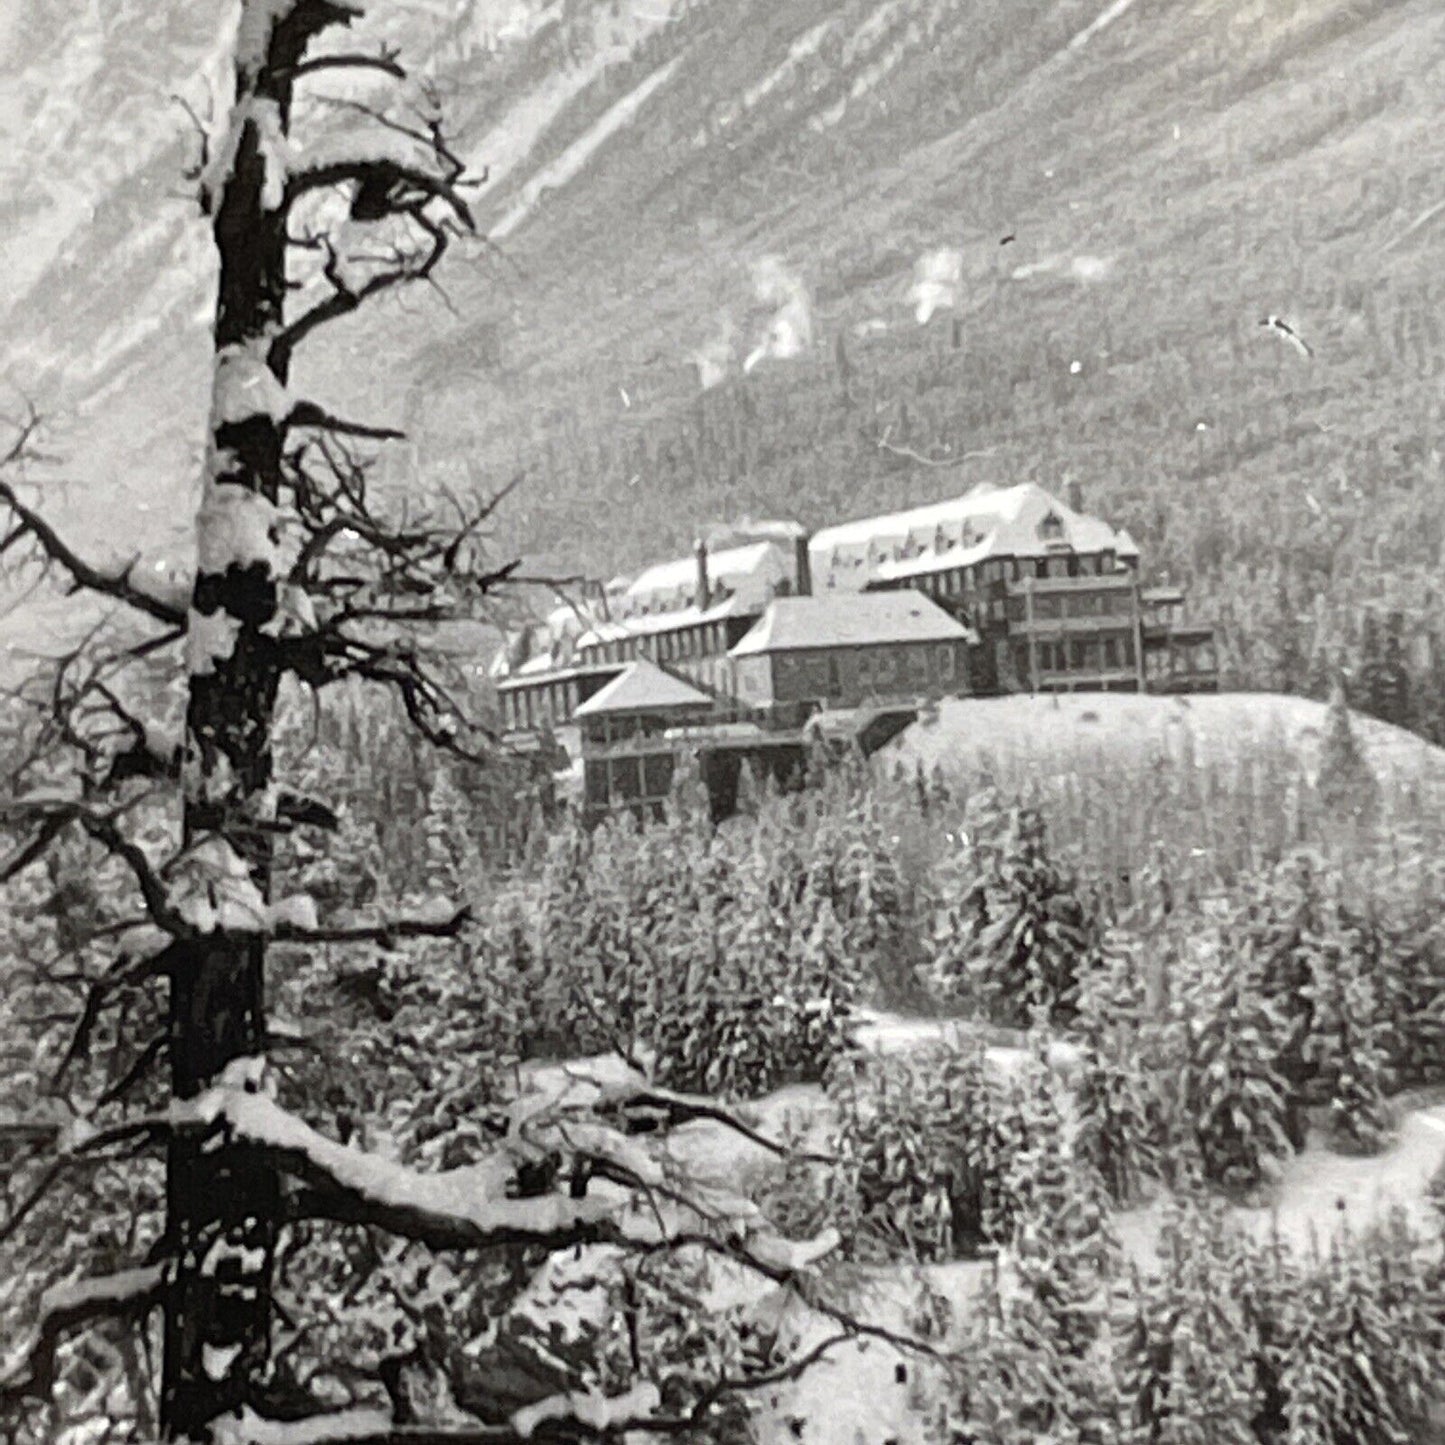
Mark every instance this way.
x=353 y=1090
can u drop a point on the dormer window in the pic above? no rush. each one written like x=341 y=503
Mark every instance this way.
x=1051 y=527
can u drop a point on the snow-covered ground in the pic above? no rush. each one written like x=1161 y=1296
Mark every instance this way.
x=866 y=1390
x=1097 y=732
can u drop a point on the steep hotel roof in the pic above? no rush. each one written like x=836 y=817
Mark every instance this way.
x=1019 y=521
x=862 y=619
x=642 y=686
x=668 y=586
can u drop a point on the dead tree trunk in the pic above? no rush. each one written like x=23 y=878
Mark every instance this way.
x=223 y=1202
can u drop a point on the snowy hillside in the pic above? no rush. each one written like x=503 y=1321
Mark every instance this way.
x=1091 y=734
x=645 y=156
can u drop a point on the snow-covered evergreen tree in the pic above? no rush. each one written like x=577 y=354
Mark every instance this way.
x=1035 y=935
x=1344 y=782
x=1118 y=1101
x=1046 y=1365
x=1227 y=1036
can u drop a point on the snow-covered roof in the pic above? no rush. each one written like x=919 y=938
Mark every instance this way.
x=669 y=586
x=544 y=668
x=858 y=620
x=642 y=686
x=1018 y=521
x=647 y=623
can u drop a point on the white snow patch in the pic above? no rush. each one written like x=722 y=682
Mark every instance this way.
x=515 y=134
x=250 y=1429
x=589 y=1408
x=871 y=31
x=600 y=1142
x=247 y=1073
x=1091 y=268
x=802 y=49
x=210 y=638
x=793 y=1255
x=472 y=1197
x=562 y=170
x=216 y=1360
x=142 y=940
x=162 y=737
x=296 y=911
x=867 y=79
x=937 y=280
x=790 y=332
x=237 y=527
x=714 y=358
x=272 y=145
x=436 y=909
x=1101 y=22
x=295 y=613
x=244 y=386
x=568 y=1296
x=253 y=32
x=211 y=888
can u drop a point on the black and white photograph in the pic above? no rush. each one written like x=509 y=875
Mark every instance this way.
x=722 y=722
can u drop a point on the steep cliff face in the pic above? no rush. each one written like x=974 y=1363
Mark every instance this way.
x=1119 y=193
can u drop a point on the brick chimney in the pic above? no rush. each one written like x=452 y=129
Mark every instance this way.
x=1074 y=494
x=802 y=566
x=703 y=590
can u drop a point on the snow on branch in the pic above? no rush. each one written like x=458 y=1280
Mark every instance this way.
x=557 y=1183
x=478 y=1205
x=291 y=923
x=270 y=29
x=392 y=171
x=563 y=1417
x=643 y=1106
x=250 y=1428
x=592 y=1410
x=29 y=1370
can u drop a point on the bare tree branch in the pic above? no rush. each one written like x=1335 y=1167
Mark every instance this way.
x=386 y=62
x=84 y=576
x=56 y=551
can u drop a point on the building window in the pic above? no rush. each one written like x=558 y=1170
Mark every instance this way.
x=1051 y=527
x=656 y=775
x=1111 y=654
x=945 y=661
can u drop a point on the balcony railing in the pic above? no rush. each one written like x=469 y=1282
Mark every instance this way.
x=1106 y=581
x=1045 y=627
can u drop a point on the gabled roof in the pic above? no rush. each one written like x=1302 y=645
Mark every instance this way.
x=1019 y=521
x=646 y=623
x=850 y=620
x=642 y=686
x=725 y=566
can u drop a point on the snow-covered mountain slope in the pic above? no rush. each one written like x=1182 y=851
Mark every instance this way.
x=1164 y=175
